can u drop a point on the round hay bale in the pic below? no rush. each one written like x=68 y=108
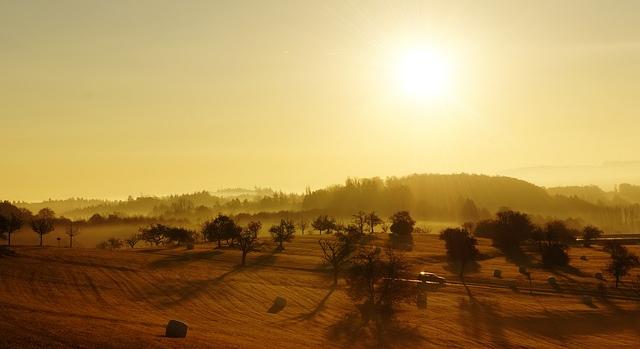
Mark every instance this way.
x=599 y=276
x=584 y=258
x=522 y=270
x=586 y=299
x=497 y=273
x=552 y=281
x=176 y=329
x=278 y=304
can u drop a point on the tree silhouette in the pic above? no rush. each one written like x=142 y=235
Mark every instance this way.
x=401 y=228
x=248 y=239
x=302 y=225
x=336 y=253
x=589 y=233
x=221 y=228
x=373 y=220
x=379 y=282
x=11 y=219
x=324 y=223
x=461 y=246
x=43 y=223
x=283 y=232
x=359 y=220
x=72 y=231
x=622 y=261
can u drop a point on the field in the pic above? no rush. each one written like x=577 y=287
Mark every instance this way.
x=86 y=298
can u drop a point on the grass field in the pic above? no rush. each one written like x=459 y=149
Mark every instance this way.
x=86 y=298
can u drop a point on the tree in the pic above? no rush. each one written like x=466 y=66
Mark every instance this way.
x=359 y=220
x=221 y=228
x=154 y=234
x=402 y=223
x=622 y=261
x=336 y=253
x=461 y=246
x=373 y=220
x=512 y=228
x=555 y=238
x=43 y=223
x=178 y=235
x=324 y=222
x=132 y=240
x=11 y=219
x=379 y=283
x=302 y=225
x=248 y=239
x=401 y=228
x=589 y=233
x=72 y=231
x=283 y=232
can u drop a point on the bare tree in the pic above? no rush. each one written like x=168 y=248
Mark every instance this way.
x=373 y=220
x=379 y=282
x=248 y=239
x=336 y=253
x=72 y=231
x=302 y=225
x=622 y=261
x=43 y=223
x=359 y=220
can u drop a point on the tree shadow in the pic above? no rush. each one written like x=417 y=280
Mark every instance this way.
x=6 y=251
x=173 y=260
x=454 y=267
x=481 y=317
x=352 y=329
x=318 y=308
x=177 y=292
x=517 y=256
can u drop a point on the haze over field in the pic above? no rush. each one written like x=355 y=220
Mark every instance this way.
x=118 y=98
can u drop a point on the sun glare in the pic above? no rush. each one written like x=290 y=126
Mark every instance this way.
x=423 y=74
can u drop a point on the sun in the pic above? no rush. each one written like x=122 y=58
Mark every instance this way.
x=423 y=74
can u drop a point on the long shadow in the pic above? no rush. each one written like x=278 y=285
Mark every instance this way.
x=176 y=259
x=190 y=289
x=351 y=329
x=6 y=251
x=318 y=308
x=483 y=316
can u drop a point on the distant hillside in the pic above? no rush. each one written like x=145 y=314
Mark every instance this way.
x=590 y=193
x=441 y=197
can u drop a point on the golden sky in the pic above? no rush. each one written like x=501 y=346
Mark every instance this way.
x=111 y=98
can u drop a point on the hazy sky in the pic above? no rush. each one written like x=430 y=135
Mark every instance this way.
x=110 y=98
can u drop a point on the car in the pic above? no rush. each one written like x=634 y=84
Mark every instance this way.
x=431 y=277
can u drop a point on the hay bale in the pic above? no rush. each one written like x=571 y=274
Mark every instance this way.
x=513 y=284
x=584 y=258
x=190 y=246
x=497 y=273
x=176 y=329
x=599 y=276
x=278 y=304
x=522 y=270
x=586 y=299
x=552 y=281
